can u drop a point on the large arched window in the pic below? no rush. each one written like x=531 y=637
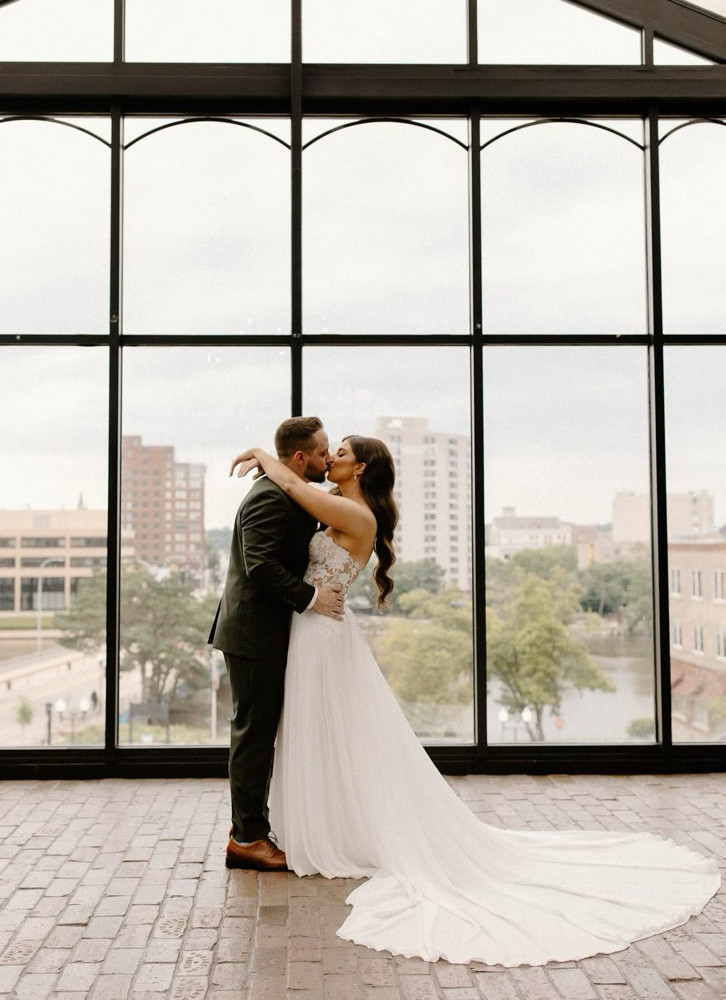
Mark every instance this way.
x=206 y=227
x=385 y=233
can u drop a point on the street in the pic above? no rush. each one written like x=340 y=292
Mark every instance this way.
x=59 y=674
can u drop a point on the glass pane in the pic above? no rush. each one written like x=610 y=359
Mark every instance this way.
x=55 y=209
x=563 y=231
x=186 y=413
x=386 y=231
x=667 y=54
x=53 y=526
x=693 y=216
x=207 y=231
x=384 y=31
x=552 y=31
x=216 y=31
x=417 y=401
x=696 y=541
x=569 y=586
x=45 y=30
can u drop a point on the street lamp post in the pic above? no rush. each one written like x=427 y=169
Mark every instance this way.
x=83 y=705
x=46 y=562
x=60 y=706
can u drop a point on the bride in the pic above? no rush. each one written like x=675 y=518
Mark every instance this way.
x=355 y=795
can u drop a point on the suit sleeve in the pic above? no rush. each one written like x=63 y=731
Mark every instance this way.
x=263 y=522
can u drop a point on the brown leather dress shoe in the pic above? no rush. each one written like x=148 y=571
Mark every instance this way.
x=260 y=855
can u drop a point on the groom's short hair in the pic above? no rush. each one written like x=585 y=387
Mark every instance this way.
x=296 y=434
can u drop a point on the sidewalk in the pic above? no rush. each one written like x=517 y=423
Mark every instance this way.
x=117 y=889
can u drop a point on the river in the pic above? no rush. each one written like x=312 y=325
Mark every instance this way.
x=595 y=716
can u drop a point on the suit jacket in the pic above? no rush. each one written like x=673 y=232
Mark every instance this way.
x=267 y=559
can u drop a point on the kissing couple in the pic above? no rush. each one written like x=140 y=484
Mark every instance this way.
x=353 y=794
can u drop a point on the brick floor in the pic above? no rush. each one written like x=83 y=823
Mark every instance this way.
x=117 y=890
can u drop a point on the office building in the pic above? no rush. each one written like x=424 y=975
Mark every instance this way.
x=45 y=553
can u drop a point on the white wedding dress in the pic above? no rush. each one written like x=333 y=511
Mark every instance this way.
x=354 y=794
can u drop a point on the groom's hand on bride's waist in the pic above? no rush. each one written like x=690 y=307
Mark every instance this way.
x=329 y=602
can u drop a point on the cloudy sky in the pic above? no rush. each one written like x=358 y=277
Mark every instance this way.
x=385 y=251
x=334 y=30
x=511 y=31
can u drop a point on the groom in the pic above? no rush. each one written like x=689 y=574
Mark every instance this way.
x=268 y=557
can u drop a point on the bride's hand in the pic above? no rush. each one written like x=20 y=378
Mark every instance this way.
x=247 y=462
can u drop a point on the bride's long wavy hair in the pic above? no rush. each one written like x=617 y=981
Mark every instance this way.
x=376 y=484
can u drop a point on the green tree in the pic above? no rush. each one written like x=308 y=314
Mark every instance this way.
x=642 y=728
x=621 y=586
x=543 y=562
x=605 y=587
x=163 y=632
x=531 y=652
x=717 y=709
x=422 y=574
x=362 y=592
x=426 y=655
x=24 y=713
x=638 y=609
x=505 y=578
x=212 y=562
x=592 y=622
x=85 y=622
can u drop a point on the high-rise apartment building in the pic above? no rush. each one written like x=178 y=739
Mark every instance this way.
x=433 y=493
x=162 y=502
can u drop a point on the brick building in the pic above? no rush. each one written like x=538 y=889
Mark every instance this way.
x=162 y=503
x=697 y=603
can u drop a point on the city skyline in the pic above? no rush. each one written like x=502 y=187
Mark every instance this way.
x=44 y=473
x=511 y=512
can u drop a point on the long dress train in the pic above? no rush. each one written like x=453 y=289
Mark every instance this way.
x=355 y=795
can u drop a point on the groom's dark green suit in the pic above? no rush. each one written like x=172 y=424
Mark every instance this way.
x=268 y=557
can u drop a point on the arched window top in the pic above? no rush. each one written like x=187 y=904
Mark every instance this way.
x=400 y=121
x=553 y=121
x=54 y=121
x=190 y=121
x=688 y=124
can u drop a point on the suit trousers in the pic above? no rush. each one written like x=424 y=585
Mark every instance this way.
x=258 y=687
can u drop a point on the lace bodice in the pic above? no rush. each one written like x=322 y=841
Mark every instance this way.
x=330 y=563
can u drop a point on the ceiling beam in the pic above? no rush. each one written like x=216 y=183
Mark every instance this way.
x=246 y=89
x=673 y=20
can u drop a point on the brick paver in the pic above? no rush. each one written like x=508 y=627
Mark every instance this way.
x=117 y=890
